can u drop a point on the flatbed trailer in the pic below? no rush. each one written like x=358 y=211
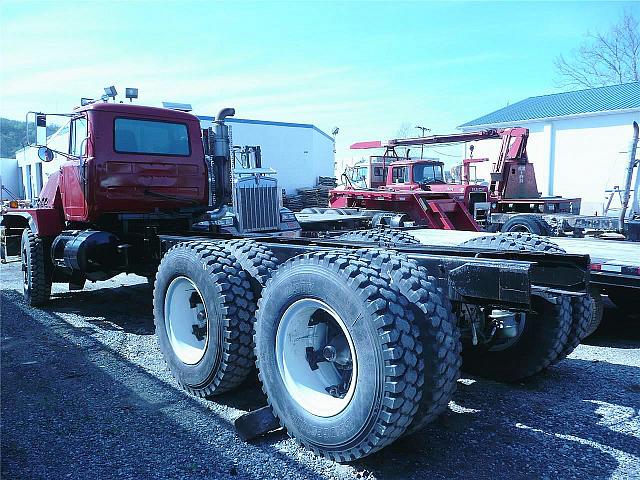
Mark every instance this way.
x=614 y=264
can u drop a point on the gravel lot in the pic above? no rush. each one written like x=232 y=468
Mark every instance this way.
x=85 y=393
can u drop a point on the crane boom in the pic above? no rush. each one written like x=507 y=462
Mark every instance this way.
x=445 y=139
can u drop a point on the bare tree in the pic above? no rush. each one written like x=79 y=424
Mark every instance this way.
x=404 y=131
x=608 y=58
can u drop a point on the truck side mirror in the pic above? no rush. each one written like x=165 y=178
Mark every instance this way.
x=45 y=154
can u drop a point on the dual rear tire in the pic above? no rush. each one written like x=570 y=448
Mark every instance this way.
x=340 y=349
x=541 y=342
x=338 y=355
x=550 y=333
x=353 y=349
x=203 y=313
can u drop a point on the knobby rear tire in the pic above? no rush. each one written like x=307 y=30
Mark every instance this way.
x=582 y=308
x=230 y=306
x=582 y=311
x=385 y=339
x=441 y=347
x=541 y=342
x=598 y=310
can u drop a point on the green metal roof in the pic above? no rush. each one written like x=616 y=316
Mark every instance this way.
x=592 y=100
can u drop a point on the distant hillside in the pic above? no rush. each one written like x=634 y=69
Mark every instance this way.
x=13 y=136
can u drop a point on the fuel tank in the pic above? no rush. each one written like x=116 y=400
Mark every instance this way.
x=93 y=253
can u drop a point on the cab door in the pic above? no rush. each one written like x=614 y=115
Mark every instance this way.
x=74 y=172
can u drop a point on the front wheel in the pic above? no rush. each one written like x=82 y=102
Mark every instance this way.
x=36 y=285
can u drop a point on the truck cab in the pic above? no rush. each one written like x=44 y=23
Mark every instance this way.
x=414 y=174
x=428 y=175
x=132 y=159
x=370 y=173
x=131 y=173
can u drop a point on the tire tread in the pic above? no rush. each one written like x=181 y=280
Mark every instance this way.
x=39 y=283
x=236 y=357
x=398 y=337
x=441 y=347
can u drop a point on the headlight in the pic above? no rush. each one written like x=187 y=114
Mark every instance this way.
x=288 y=217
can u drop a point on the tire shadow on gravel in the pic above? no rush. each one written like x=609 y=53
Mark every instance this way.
x=576 y=420
x=618 y=329
x=247 y=397
x=126 y=308
x=72 y=407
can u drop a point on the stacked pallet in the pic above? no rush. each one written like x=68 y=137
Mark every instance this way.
x=292 y=202
x=330 y=182
x=308 y=197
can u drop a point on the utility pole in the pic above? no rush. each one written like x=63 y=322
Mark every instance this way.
x=422 y=131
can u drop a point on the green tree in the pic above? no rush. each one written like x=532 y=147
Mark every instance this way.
x=13 y=136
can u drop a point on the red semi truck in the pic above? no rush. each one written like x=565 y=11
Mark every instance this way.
x=355 y=345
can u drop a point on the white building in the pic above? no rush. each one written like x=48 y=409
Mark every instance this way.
x=299 y=152
x=579 y=141
x=10 y=184
x=33 y=171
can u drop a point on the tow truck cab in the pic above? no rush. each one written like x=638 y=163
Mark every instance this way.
x=428 y=175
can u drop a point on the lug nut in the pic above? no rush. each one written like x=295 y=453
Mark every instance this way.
x=329 y=352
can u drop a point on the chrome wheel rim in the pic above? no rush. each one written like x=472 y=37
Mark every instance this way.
x=316 y=358
x=25 y=271
x=505 y=343
x=185 y=316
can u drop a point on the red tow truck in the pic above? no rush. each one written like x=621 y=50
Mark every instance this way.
x=511 y=202
x=414 y=190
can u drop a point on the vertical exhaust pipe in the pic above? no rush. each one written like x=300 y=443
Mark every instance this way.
x=221 y=163
x=627 y=184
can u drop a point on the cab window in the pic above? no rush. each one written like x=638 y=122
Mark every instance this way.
x=361 y=173
x=427 y=173
x=77 y=144
x=399 y=175
x=151 y=137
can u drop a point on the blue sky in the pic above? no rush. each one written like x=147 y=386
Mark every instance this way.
x=366 y=67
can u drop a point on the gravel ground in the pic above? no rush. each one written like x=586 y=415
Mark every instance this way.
x=85 y=393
